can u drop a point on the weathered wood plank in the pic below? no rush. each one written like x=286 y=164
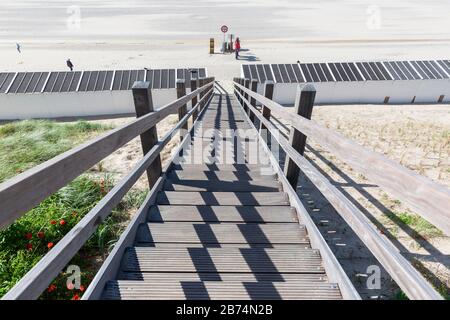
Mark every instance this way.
x=221 y=175
x=194 y=101
x=303 y=107
x=222 y=214
x=217 y=167
x=221 y=185
x=268 y=93
x=143 y=104
x=230 y=260
x=223 y=198
x=181 y=92
x=214 y=233
x=150 y=277
x=220 y=290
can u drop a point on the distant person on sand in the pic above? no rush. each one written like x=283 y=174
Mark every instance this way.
x=69 y=64
x=237 y=47
x=18 y=47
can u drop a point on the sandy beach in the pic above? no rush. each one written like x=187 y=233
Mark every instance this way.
x=115 y=35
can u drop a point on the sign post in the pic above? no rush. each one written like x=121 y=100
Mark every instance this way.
x=224 y=30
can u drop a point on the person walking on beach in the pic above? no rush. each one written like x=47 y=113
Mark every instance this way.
x=237 y=47
x=18 y=47
x=69 y=64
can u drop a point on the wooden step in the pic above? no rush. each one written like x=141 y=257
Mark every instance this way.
x=208 y=132
x=223 y=198
x=214 y=184
x=221 y=119
x=222 y=214
x=222 y=260
x=216 y=233
x=220 y=175
x=220 y=290
x=150 y=277
x=217 y=167
x=222 y=245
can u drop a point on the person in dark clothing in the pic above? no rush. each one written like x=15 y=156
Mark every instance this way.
x=69 y=64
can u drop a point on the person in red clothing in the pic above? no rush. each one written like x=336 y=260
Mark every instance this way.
x=237 y=47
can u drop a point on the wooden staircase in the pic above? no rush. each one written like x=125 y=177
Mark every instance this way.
x=221 y=230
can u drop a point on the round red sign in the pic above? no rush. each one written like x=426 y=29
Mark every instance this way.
x=224 y=29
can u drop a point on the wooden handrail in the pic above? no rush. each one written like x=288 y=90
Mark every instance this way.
x=429 y=199
x=405 y=275
x=23 y=192
x=41 y=275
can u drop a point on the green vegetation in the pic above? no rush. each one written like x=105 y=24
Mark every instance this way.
x=417 y=223
x=400 y=295
x=25 y=144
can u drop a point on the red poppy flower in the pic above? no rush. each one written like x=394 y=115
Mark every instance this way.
x=76 y=297
x=29 y=246
x=50 y=245
x=81 y=288
x=62 y=222
x=41 y=235
x=51 y=288
x=53 y=222
x=28 y=236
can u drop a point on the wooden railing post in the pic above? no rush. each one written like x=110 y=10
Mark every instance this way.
x=268 y=93
x=247 y=85
x=181 y=92
x=201 y=83
x=194 y=100
x=238 y=80
x=303 y=106
x=211 y=79
x=241 y=82
x=254 y=88
x=143 y=103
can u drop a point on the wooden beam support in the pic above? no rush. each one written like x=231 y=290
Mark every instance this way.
x=181 y=92
x=143 y=104
x=247 y=85
x=303 y=107
x=201 y=82
x=254 y=88
x=195 y=99
x=268 y=93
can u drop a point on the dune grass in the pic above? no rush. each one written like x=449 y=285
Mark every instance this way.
x=25 y=144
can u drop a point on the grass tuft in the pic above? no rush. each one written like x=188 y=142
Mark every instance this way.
x=25 y=144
